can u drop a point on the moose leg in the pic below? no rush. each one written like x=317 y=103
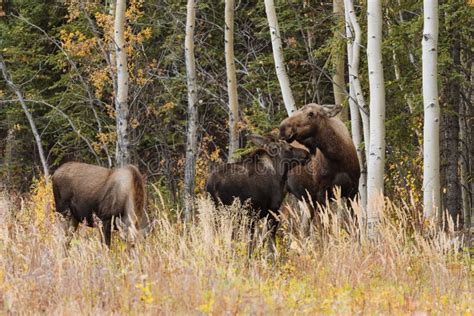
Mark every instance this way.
x=252 y=237
x=128 y=227
x=272 y=227
x=71 y=228
x=107 y=231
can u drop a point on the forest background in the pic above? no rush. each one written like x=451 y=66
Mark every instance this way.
x=57 y=52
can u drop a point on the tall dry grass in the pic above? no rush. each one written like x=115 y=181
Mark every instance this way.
x=204 y=267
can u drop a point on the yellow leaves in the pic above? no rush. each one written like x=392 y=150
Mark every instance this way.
x=103 y=139
x=134 y=10
x=99 y=78
x=134 y=123
x=204 y=160
x=42 y=203
x=146 y=33
x=208 y=303
x=76 y=43
x=146 y=294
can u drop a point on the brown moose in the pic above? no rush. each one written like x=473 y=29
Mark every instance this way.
x=88 y=190
x=260 y=178
x=334 y=159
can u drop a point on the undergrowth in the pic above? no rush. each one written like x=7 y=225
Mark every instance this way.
x=330 y=267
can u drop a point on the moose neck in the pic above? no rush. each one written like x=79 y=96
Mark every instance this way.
x=280 y=170
x=329 y=139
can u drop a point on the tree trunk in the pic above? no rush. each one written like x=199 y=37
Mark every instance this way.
x=28 y=115
x=122 y=154
x=191 y=134
x=463 y=167
x=354 y=76
x=338 y=81
x=354 y=107
x=451 y=197
x=376 y=163
x=231 y=79
x=278 y=57
x=431 y=178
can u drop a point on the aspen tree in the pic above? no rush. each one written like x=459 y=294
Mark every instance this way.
x=122 y=154
x=231 y=78
x=431 y=178
x=376 y=161
x=191 y=133
x=278 y=57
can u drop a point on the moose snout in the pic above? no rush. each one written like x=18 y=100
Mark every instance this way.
x=304 y=156
x=287 y=132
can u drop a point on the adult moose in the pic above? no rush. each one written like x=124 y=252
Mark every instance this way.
x=88 y=190
x=334 y=159
x=259 y=178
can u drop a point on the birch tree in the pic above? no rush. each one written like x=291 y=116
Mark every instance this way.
x=191 y=133
x=338 y=81
x=376 y=162
x=122 y=154
x=355 y=96
x=431 y=179
x=278 y=57
x=231 y=78
x=29 y=117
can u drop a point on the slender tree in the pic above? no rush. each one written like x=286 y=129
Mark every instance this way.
x=452 y=107
x=431 y=153
x=376 y=161
x=356 y=132
x=463 y=166
x=122 y=154
x=231 y=78
x=278 y=57
x=191 y=133
x=338 y=81
x=16 y=89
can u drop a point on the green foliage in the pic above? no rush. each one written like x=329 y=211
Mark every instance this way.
x=57 y=51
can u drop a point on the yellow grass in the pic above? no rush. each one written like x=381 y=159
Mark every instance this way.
x=204 y=267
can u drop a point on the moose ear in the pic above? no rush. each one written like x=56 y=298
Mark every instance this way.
x=258 y=140
x=331 y=110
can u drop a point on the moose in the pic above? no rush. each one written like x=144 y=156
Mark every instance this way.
x=334 y=159
x=260 y=178
x=87 y=190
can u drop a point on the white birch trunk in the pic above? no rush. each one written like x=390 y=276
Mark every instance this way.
x=231 y=79
x=431 y=178
x=376 y=162
x=122 y=155
x=191 y=134
x=338 y=81
x=354 y=76
x=354 y=108
x=278 y=57
x=29 y=117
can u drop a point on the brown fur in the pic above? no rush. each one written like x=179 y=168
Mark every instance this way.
x=88 y=190
x=260 y=178
x=334 y=159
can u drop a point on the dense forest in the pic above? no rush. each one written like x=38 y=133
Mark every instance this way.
x=59 y=55
x=178 y=88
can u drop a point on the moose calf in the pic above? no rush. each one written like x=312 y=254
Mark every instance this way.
x=88 y=190
x=259 y=178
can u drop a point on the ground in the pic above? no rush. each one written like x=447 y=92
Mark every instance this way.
x=204 y=267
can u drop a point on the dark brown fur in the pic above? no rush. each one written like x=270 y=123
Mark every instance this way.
x=334 y=159
x=259 y=178
x=88 y=190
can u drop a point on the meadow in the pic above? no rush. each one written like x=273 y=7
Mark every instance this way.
x=409 y=267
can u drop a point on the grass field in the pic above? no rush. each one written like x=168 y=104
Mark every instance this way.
x=203 y=268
